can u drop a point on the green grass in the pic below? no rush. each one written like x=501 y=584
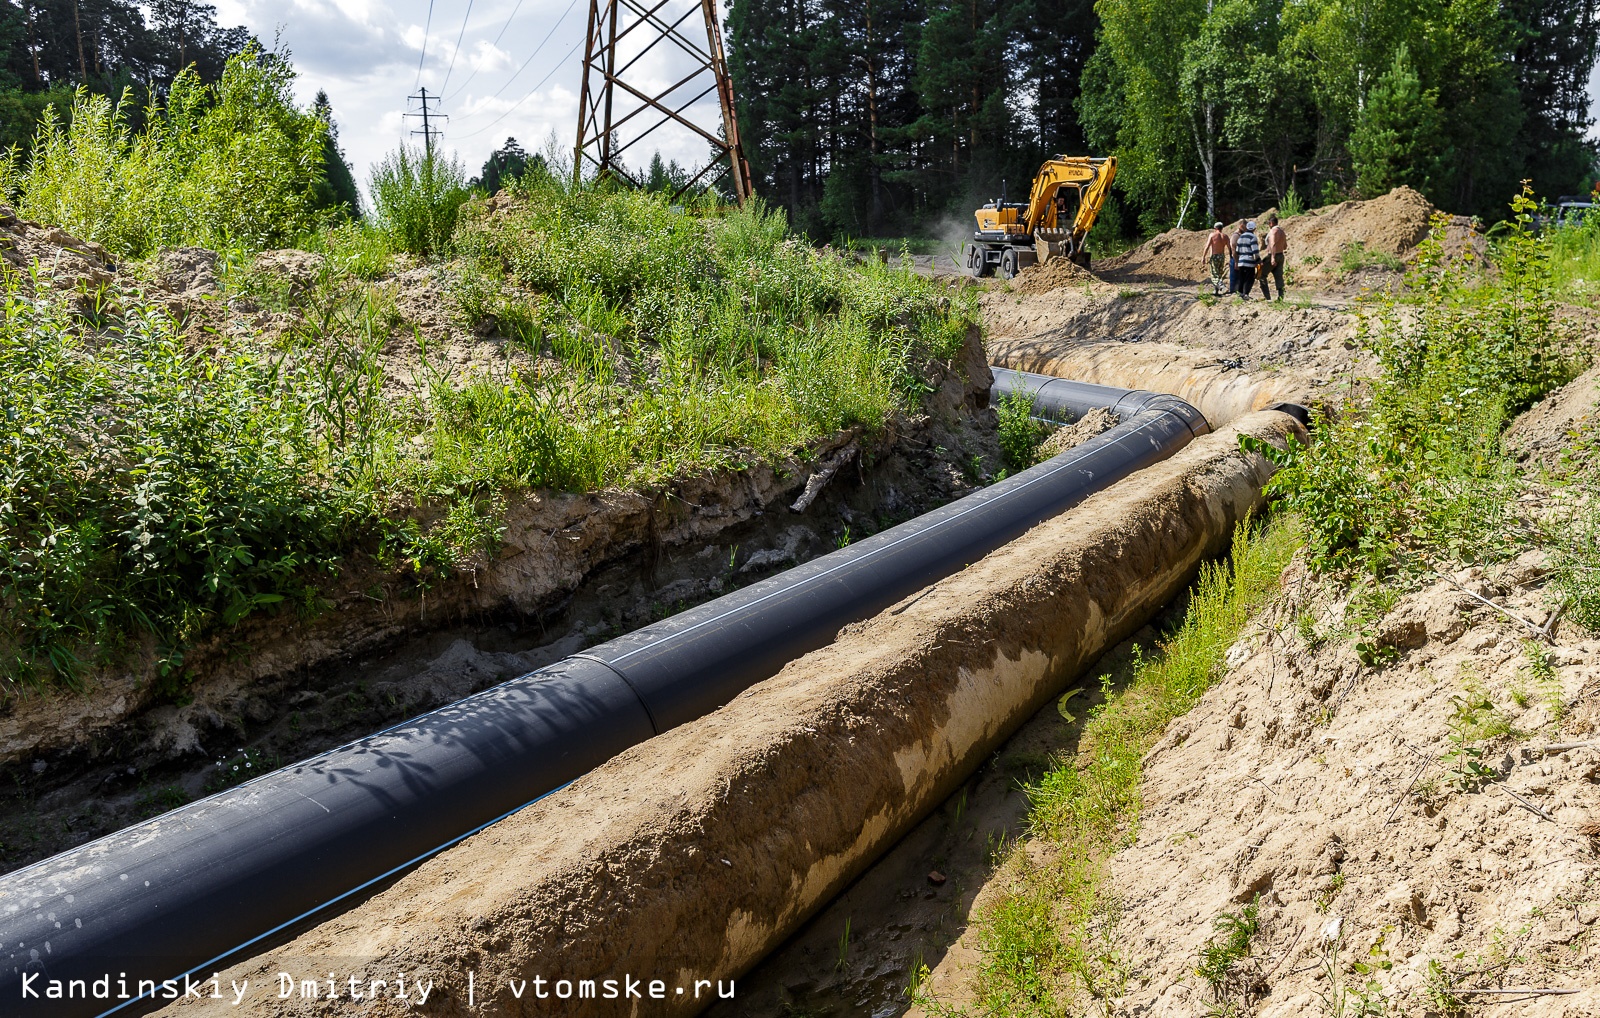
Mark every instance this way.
x=1041 y=942
x=160 y=489
x=1355 y=256
x=893 y=246
x=1575 y=258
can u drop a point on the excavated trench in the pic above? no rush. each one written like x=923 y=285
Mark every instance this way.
x=690 y=857
x=652 y=862
x=577 y=570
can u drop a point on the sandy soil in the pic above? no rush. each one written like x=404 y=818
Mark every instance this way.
x=1393 y=225
x=1548 y=434
x=1342 y=814
x=912 y=906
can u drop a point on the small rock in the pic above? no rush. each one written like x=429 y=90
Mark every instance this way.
x=936 y=878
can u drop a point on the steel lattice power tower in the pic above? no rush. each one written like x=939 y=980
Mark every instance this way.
x=608 y=101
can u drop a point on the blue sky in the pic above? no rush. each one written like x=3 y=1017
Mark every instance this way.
x=515 y=72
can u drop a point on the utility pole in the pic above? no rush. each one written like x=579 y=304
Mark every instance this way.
x=609 y=99
x=428 y=115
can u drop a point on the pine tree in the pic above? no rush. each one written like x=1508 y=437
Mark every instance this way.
x=508 y=161
x=1397 y=139
x=337 y=188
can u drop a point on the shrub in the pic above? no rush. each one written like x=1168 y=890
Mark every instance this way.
x=418 y=195
x=1413 y=463
x=148 y=489
x=231 y=164
x=1019 y=434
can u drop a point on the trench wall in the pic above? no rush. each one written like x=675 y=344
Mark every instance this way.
x=691 y=856
x=1222 y=393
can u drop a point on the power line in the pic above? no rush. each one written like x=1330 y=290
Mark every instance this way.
x=425 y=26
x=428 y=132
x=536 y=50
x=457 y=51
x=496 y=42
x=525 y=98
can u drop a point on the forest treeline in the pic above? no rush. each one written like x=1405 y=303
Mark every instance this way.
x=882 y=116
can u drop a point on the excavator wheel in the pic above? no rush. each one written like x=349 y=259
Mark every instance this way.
x=974 y=259
x=1008 y=263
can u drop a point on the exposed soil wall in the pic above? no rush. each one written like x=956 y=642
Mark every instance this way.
x=691 y=856
x=1328 y=789
x=1226 y=358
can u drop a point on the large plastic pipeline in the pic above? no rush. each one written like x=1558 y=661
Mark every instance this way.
x=193 y=888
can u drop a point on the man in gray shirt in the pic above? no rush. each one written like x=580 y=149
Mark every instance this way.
x=1246 y=252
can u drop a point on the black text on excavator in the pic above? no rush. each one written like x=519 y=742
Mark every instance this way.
x=1013 y=235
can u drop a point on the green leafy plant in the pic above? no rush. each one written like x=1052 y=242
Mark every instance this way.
x=418 y=194
x=1410 y=471
x=238 y=768
x=235 y=163
x=1019 y=434
x=1291 y=204
x=1542 y=673
x=1221 y=954
x=1439 y=987
x=1464 y=758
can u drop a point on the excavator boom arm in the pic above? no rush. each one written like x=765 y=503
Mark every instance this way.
x=1093 y=179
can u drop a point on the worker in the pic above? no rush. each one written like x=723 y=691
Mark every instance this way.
x=1218 y=253
x=1247 y=252
x=1277 y=248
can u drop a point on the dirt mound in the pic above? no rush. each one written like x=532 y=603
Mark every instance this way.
x=1055 y=273
x=1388 y=228
x=189 y=272
x=65 y=262
x=1072 y=435
x=1546 y=431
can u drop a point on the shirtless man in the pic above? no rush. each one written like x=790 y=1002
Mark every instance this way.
x=1277 y=246
x=1219 y=250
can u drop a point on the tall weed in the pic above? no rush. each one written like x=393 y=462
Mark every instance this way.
x=230 y=164
x=418 y=195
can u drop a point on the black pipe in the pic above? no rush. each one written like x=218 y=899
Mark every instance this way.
x=192 y=888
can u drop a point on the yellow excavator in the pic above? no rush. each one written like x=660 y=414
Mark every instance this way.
x=1012 y=235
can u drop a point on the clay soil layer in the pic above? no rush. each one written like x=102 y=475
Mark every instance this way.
x=689 y=857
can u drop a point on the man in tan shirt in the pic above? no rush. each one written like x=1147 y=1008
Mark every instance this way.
x=1219 y=249
x=1277 y=249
